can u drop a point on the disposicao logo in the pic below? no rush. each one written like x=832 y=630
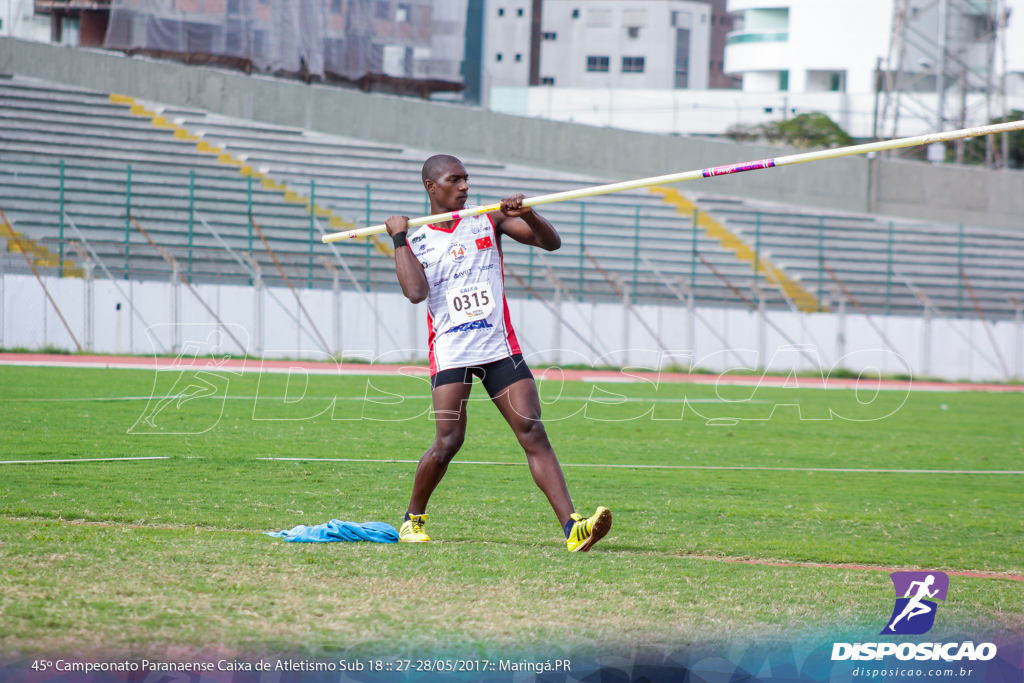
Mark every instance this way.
x=914 y=613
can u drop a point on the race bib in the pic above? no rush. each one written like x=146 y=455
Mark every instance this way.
x=467 y=303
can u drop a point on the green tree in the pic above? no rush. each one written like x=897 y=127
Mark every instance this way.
x=806 y=131
x=975 y=151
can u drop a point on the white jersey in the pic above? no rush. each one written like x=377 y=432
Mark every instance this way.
x=464 y=258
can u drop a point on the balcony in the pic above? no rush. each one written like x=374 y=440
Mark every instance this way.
x=69 y=6
x=738 y=37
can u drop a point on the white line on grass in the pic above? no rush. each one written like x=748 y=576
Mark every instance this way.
x=252 y=367
x=672 y=467
x=420 y=372
x=37 y=462
x=594 y=399
x=90 y=398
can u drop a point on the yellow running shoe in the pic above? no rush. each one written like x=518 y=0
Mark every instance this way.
x=414 y=530
x=586 y=532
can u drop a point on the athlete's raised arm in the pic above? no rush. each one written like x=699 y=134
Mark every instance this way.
x=409 y=269
x=525 y=225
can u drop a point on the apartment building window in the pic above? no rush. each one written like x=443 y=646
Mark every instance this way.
x=519 y=12
x=632 y=65
x=383 y=10
x=597 y=63
x=519 y=58
x=682 y=79
x=575 y=14
x=783 y=81
x=549 y=35
x=825 y=81
x=499 y=57
x=547 y=80
x=402 y=14
x=501 y=11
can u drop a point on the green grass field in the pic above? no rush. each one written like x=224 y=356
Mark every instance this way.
x=168 y=555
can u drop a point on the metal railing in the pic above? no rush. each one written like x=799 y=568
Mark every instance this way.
x=202 y=215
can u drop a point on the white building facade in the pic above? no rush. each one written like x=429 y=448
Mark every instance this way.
x=505 y=58
x=822 y=45
x=1013 y=46
x=637 y=44
x=19 y=20
x=808 y=45
x=644 y=44
x=793 y=56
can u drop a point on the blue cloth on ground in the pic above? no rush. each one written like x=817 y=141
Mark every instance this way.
x=337 y=530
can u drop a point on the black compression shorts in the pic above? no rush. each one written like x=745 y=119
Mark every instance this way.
x=496 y=376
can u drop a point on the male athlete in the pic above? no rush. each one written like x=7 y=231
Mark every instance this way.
x=456 y=267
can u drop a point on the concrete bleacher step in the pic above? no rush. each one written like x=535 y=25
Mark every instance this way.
x=282 y=168
x=40 y=255
x=773 y=274
x=246 y=170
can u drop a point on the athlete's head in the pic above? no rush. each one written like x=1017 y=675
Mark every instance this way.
x=446 y=182
x=930 y=579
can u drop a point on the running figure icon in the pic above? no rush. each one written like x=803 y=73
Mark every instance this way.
x=203 y=372
x=190 y=386
x=916 y=607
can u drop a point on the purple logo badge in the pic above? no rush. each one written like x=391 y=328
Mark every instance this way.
x=914 y=611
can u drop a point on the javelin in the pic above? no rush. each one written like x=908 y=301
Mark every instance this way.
x=702 y=173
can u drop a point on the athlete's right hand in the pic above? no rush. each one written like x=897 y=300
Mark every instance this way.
x=397 y=224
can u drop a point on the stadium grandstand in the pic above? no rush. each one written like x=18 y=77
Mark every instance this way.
x=140 y=190
x=793 y=389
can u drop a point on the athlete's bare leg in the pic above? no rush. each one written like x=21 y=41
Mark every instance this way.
x=450 y=416
x=519 y=404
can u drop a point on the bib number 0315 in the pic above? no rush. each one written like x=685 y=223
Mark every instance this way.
x=470 y=302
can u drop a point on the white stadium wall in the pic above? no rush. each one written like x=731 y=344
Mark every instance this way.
x=959 y=349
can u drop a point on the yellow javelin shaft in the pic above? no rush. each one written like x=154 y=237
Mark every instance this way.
x=702 y=173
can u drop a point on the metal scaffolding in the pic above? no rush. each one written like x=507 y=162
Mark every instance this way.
x=946 y=68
